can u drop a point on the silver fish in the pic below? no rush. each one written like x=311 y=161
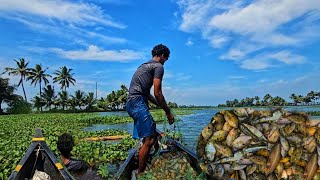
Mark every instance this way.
x=238 y=166
x=254 y=149
x=253 y=131
x=275 y=116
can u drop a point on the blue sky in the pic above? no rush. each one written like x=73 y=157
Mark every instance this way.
x=220 y=50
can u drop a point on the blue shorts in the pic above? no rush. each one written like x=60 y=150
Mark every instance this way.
x=144 y=124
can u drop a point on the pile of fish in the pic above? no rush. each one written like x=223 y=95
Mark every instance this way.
x=169 y=165
x=268 y=144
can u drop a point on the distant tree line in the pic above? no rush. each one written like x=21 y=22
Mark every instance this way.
x=310 y=98
x=52 y=100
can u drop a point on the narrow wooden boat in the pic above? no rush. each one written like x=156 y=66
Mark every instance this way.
x=131 y=163
x=105 y=138
x=39 y=157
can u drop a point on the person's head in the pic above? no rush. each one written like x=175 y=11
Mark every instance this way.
x=65 y=144
x=162 y=52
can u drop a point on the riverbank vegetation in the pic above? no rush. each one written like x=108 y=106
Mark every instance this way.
x=311 y=98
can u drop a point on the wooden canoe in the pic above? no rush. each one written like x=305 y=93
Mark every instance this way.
x=39 y=157
x=131 y=163
x=105 y=138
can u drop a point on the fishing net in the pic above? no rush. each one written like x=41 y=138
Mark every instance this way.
x=270 y=144
x=169 y=165
x=168 y=162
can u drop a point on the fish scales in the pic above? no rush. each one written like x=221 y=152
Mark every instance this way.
x=271 y=144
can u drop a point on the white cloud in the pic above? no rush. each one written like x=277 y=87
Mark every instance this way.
x=234 y=54
x=72 y=22
x=217 y=41
x=262 y=16
x=255 y=64
x=237 y=77
x=261 y=81
x=189 y=42
x=247 y=27
x=195 y=14
x=94 y=35
x=2 y=65
x=69 y=12
x=287 y=57
x=240 y=50
x=168 y=74
x=96 y=54
x=276 y=39
x=267 y=60
x=183 y=77
x=177 y=76
x=68 y=31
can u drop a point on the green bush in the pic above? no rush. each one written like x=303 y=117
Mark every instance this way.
x=19 y=106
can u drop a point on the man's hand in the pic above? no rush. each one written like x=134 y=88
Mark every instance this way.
x=170 y=118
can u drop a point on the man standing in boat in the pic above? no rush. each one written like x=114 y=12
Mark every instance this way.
x=147 y=75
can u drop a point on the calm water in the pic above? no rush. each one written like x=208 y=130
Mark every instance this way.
x=190 y=125
x=114 y=113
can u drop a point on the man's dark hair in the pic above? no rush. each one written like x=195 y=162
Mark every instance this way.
x=65 y=144
x=160 y=49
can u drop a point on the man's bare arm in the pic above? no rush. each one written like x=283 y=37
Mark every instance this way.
x=159 y=96
x=153 y=100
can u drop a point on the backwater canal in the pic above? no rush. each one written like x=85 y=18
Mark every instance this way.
x=189 y=125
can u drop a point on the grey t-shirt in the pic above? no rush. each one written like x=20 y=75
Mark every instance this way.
x=142 y=79
x=77 y=166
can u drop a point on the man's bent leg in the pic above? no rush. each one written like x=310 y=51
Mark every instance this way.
x=144 y=152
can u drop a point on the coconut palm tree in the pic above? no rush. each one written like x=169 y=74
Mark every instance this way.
x=317 y=94
x=277 y=101
x=37 y=75
x=63 y=99
x=21 y=70
x=257 y=98
x=294 y=98
x=235 y=103
x=38 y=102
x=79 y=98
x=312 y=95
x=48 y=96
x=266 y=99
x=90 y=100
x=64 y=77
x=300 y=99
x=102 y=104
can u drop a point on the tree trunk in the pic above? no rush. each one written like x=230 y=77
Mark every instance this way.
x=40 y=95
x=24 y=92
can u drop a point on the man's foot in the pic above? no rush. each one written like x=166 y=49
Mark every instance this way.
x=134 y=174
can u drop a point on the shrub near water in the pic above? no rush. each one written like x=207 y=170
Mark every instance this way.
x=18 y=130
x=19 y=106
